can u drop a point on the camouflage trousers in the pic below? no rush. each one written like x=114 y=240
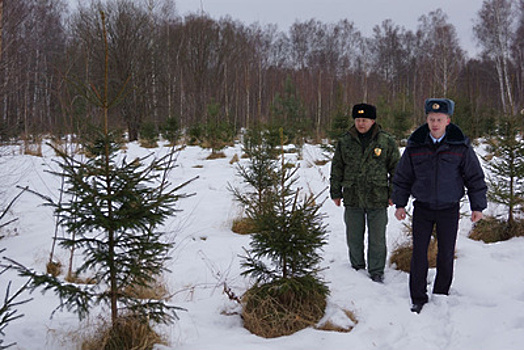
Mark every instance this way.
x=376 y=219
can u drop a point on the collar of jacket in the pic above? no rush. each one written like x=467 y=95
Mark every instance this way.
x=454 y=136
x=375 y=129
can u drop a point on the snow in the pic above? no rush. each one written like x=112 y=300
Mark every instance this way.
x=485 y=308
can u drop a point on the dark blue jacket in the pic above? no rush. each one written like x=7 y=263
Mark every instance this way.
x=436 y=175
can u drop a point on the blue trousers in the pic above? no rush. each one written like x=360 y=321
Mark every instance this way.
x=446 y=221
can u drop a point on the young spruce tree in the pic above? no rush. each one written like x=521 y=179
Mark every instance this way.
x=284 y=254
x=505 y=162
x=112 y=210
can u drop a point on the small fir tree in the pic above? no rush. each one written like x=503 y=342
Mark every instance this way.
x=339 y=124
x=148 y=135
x=340 y=118
x=259 y=175
x=289 y=233
x=288 y=113
x=112 y=209
x=218 y=131
x=505 y=162
x=171 y=130
x=289 y=229
x=284 y=254
x=8 y=307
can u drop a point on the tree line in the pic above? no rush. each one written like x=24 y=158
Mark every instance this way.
x=196 y=70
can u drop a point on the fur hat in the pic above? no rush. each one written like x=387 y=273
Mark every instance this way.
x=439 y=105
x=363 y=110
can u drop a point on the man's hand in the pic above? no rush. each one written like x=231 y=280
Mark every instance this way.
x=476 y=216
x=337 y=201
x=400 y=213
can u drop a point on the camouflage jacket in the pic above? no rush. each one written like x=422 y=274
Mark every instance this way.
x=363 y=179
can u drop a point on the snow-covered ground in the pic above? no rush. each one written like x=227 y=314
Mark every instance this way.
x=485 y=309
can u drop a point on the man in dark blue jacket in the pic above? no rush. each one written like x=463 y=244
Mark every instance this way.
x=436 y=166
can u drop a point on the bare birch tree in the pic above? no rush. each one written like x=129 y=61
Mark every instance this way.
x=495 y=31
x=442 y=51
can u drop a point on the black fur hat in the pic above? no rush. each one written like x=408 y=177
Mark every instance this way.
x=363 y=110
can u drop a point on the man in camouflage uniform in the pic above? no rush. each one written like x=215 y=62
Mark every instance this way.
x=361 y=172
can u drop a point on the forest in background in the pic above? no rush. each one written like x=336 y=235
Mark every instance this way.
x=195 y=73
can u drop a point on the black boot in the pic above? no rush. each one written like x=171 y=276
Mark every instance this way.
x=417 y=308
x=377 y=278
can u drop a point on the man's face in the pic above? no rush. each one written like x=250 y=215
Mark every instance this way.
x=363 y=124
x=437 y=123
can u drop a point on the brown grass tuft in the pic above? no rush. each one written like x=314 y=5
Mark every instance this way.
x=216 y=155
x=491 y=229
x=129 y=333
x=401 y=255
x=144 y=143
x=156 y=291
x=74 y=278
x=270 y=312
x=54 y=268
x=321 y=162
x=33 y=149
x=243 y=226
x=234 y=159
x=332 y=327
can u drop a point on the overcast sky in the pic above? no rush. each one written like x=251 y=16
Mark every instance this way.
x=364 y=13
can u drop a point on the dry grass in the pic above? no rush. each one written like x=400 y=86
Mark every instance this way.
x=270 y=312
x=234 y=159
x=33 y=149
x=329 y=326
x=71 y=146
x=289 y=165
x=321 y=162
x=156 y=291
x=74 y=278
x=216 y=155
x=148 y=143
x=54 y=268
x=401 y=255
x=129 y=333
x=491 y=229
x=243 y=226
